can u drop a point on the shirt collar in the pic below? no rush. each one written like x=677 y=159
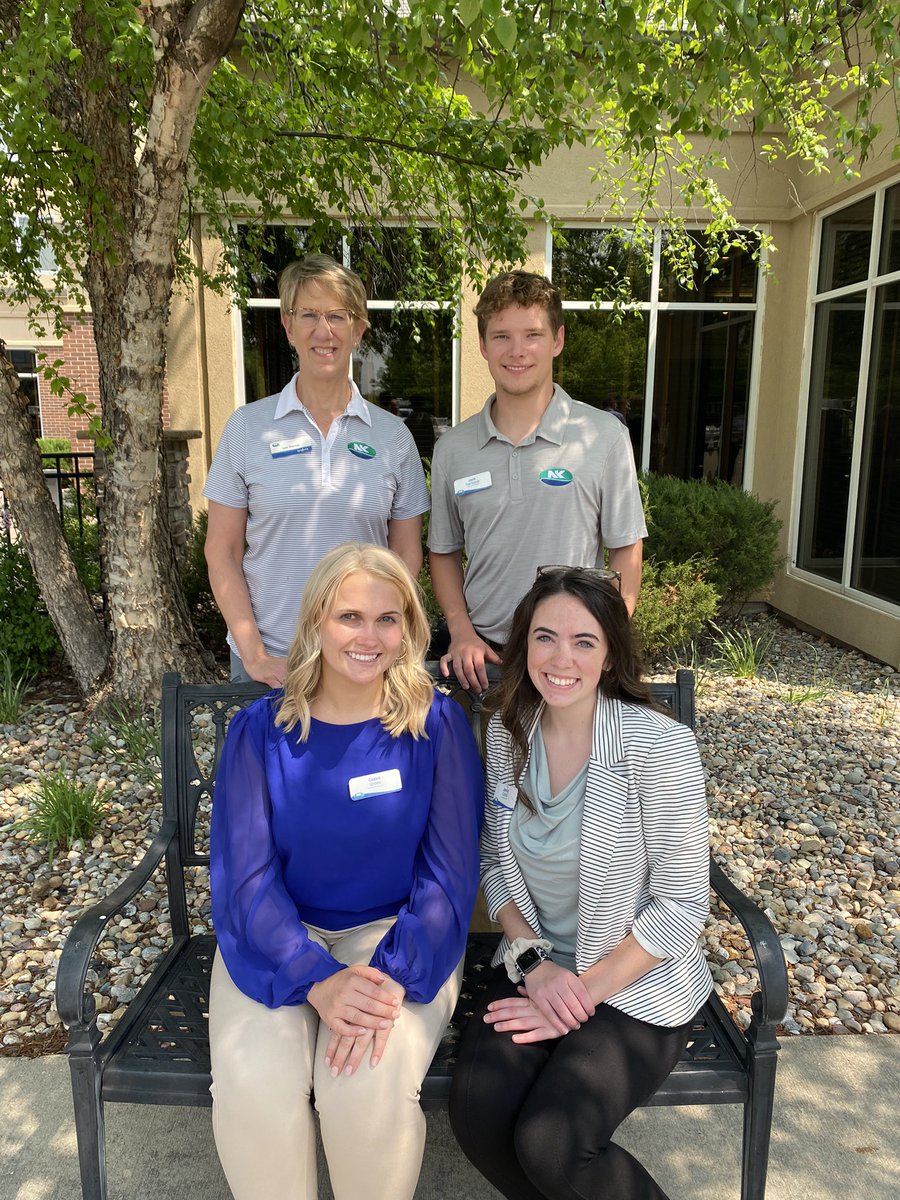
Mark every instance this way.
x=289 y=402
x=551 y=426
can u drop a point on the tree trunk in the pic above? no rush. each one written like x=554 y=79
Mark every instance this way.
x=80 y=631
x=130 y=292
x=151 y=628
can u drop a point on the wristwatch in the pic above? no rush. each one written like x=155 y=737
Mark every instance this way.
x=531 y=958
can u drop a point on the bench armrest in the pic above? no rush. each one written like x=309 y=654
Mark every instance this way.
x=73 y=1005
x=769 y=1004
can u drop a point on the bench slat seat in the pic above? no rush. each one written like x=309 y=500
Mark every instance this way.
x=158 y=1053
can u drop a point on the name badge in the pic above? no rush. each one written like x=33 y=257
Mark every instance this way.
x=378 y=784
x=297 y=445
x=504 y=796
x=472 y=483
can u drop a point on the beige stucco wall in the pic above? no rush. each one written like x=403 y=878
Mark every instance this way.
x=202 y=365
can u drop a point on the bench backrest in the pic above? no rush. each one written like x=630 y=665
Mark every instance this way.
x=194 y=718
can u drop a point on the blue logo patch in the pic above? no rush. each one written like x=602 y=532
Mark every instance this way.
x=361 y=450
x=556 y=477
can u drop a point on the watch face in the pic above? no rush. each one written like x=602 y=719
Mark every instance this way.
x=528 y=960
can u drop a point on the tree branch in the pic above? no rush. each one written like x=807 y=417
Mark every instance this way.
x=503 y=172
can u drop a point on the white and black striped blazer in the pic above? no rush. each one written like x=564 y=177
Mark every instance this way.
x=644 y=859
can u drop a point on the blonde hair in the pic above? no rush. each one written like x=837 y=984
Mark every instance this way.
x=408 y=690
x=323 y=269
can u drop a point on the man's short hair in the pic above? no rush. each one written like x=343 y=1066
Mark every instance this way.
x=524 y=288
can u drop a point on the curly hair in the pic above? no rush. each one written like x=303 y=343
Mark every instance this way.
x=519 y=699
x=408 y=689
x=324 y=270
x=523 y=288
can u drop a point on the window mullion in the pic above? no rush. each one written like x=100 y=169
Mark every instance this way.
x=647 y=431
x=858 y=430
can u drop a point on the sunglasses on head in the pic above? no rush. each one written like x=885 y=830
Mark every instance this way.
x=601 y=573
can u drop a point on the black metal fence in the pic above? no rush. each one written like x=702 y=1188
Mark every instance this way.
x=69 y=477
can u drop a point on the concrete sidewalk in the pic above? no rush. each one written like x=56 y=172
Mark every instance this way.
x=836 y=1135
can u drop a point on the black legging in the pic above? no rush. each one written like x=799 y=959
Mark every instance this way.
x=536 y=1120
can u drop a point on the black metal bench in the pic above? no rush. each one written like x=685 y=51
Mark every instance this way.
x=158 y=1053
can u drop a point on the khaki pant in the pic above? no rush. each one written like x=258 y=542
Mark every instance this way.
x=266 y=1063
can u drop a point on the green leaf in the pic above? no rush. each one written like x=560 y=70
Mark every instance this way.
x=505 y=29
x=469 y=11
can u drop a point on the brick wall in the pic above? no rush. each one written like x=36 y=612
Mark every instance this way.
x=79 y=363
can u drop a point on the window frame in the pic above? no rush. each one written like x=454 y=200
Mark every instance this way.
x=654 y=306
x=453 y=307
x=869 y=286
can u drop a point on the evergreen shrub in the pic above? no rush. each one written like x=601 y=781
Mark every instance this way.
x=675 y=602
x=28 y=640
x=208 y=621
x=734 y=534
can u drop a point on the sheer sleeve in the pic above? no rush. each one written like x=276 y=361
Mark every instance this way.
x=263 y=942
x=429 y=936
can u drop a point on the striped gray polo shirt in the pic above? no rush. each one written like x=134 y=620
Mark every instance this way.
x=306 y=492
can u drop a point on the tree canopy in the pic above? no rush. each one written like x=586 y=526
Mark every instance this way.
x=121 y=122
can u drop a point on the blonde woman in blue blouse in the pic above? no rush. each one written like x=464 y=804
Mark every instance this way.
x=344 y=855
x=595 y=863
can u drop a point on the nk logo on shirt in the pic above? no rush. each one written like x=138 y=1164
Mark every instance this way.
x=556 y=477
x=361 y=450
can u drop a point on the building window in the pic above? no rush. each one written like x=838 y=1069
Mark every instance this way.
x=406 y=363
x=849 y=514
x=678 y=370
x=25 y=362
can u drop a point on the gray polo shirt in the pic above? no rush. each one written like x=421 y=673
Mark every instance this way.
x=560 y=496
x=306 y=493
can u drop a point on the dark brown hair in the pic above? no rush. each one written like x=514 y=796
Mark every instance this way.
x=621 y=678
x=523 y=288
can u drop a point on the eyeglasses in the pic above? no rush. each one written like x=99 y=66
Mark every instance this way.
x=337 y=319
x=591 y=572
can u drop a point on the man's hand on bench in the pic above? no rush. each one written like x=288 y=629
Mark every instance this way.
x=467 y=657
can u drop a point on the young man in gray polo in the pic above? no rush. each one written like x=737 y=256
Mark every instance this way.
x=535 y=478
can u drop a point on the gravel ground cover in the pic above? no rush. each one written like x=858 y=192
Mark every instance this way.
x=804 y=792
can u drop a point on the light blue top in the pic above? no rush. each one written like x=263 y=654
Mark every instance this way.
x=547 y=846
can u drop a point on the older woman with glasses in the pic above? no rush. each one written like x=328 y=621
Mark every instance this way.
x=595 y=863
x=305 y=470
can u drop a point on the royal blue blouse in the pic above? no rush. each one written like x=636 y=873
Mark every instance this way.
x=350 y=826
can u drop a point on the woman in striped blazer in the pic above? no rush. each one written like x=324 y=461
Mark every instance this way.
x=595 y=864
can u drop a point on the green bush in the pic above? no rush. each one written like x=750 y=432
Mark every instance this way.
x=54 y=445
x=28 y=640
x=83 y=537
x=731 y=532
x=208 y=621
x=674 y=604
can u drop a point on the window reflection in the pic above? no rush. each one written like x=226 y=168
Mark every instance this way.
x=404 y=364
x=700 y=395
x=604 y=363
x=876 y=560
x=731 y=277
x=846 y=242
x=837 y=347
x=587 y=262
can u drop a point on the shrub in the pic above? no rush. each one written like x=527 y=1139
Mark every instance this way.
x=54 y=445
x=28 y=640
x=208 y=621
x=674 y=604
x=734 y=533
x=65 y=810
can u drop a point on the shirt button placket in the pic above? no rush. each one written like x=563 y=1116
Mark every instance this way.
x=515 y=476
